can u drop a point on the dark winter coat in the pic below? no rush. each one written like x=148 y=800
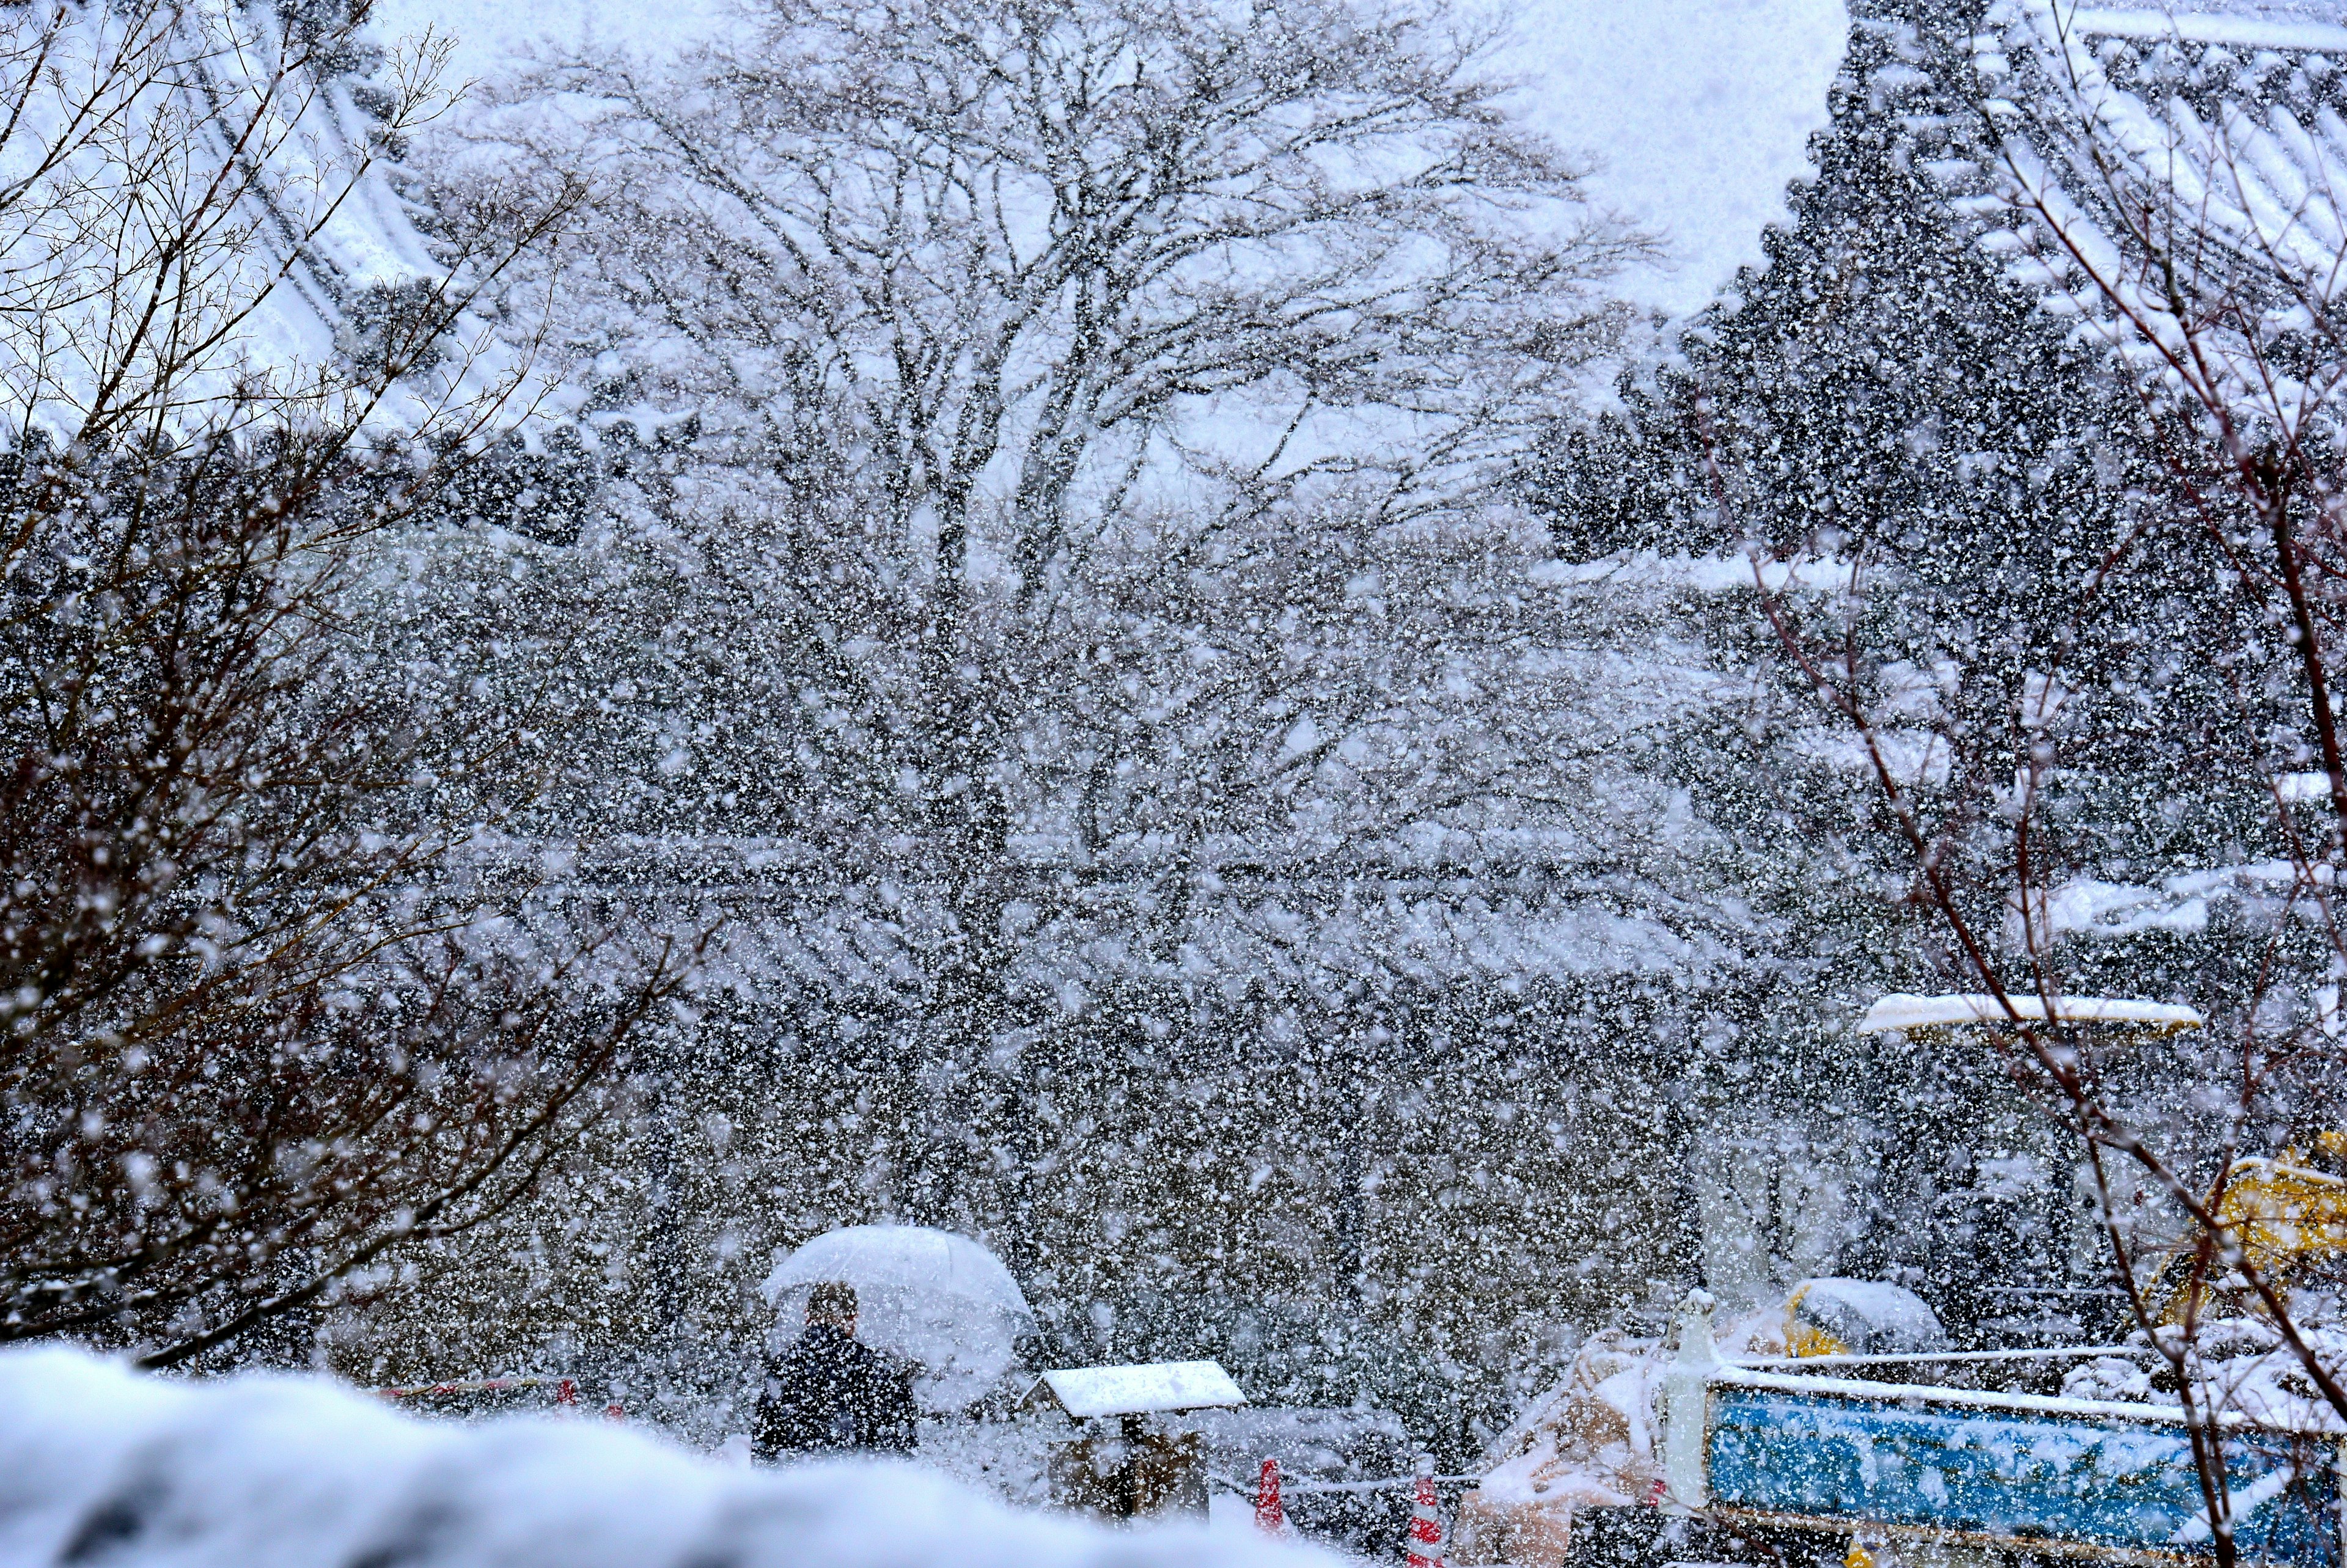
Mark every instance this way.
x=828 y=1394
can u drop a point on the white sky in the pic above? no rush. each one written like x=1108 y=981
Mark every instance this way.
x=1700 y=110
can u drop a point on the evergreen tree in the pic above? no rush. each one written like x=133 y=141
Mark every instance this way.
x=1886 y=403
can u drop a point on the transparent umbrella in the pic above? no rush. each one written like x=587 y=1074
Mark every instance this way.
x=937 y=1298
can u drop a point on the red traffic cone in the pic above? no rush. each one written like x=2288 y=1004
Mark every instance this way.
x=1267 y=1515
x=1422 y=1548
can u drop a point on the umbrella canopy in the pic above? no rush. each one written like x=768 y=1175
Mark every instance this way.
x=937 y=1298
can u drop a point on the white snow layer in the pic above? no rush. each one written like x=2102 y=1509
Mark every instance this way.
x=103 y=1466
x=1901 y=1012
x=1088 y=1392
x=929 y=1295
x=1698 y=112
x=2251 y=29
x=1870 y=1315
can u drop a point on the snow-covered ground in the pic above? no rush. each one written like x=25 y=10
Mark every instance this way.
x=99 y=1465
x=1698 y=111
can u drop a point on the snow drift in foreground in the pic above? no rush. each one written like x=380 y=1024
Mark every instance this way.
x=101 y=1466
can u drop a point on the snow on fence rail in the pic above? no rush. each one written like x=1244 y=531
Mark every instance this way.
x=2032 y=1472
x=566 y=1390
x=1934 y=1358
x=101 y=1466
x=1317 y=1488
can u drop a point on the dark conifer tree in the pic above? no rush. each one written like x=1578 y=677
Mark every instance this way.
x=1884 y=396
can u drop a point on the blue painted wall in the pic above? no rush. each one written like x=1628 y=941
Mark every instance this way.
x=2109 y=1482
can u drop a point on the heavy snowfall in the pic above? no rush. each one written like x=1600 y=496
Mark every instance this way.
x=906 y=782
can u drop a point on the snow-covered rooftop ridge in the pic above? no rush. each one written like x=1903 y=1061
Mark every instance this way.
x=1901 y=1012
x=100 y=1464
x=282 y=246
x=1164 y=1386
x=2240 y=28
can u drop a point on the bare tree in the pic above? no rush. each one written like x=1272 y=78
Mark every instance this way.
x=945 y=242
x=975 y=294
x=267 y=1020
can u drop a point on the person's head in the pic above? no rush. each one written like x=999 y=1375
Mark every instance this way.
x=833 y=1302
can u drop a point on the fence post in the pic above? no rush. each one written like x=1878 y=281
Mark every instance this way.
x=1423 y=1546
x=1687 y=1408
x=1269 y=1515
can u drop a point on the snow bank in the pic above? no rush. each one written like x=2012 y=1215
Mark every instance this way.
x=1589 y=1441
x=2239 y=1364
x=102 y=1467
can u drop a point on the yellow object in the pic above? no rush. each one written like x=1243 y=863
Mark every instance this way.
x=2283 y=1213
x=1860 y=1557
x=1806 y=1338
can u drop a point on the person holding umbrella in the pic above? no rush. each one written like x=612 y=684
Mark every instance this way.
x=830 y=1393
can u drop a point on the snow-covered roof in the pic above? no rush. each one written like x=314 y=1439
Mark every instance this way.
x=2229 y=110
x=1088 y=1392
x=2256 y=28
x=1901 y=1012
x=274 y=187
